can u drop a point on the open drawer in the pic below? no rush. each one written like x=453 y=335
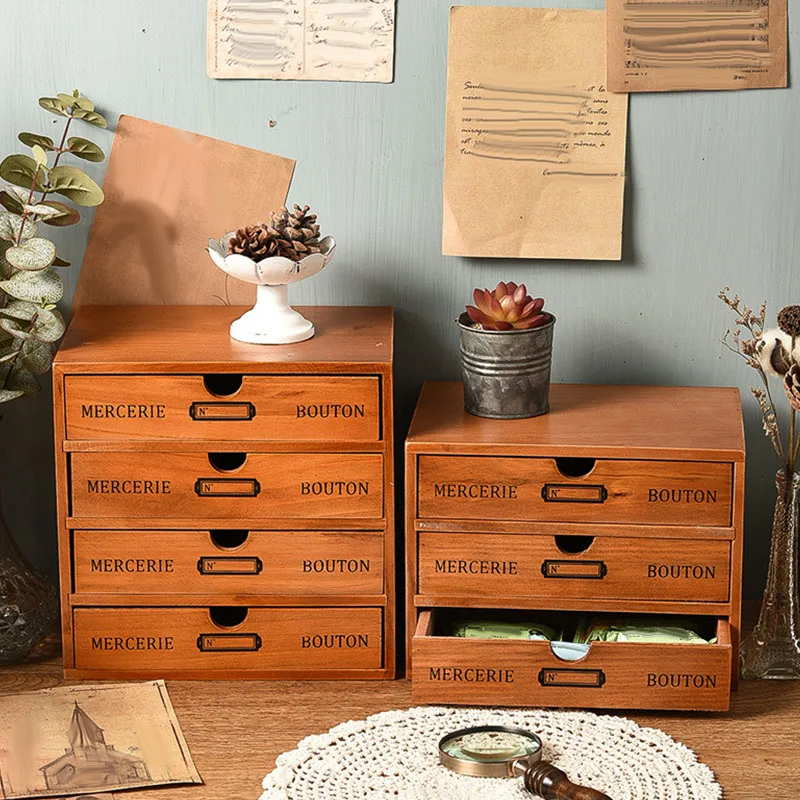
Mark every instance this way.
x=502 y=672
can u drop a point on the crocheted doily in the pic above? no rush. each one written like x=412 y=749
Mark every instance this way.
x=394 y=756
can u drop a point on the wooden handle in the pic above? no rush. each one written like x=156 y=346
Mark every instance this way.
x=551 y=783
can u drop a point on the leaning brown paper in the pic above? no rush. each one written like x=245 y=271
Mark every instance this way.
x=168 y=192
x=668 y=45
x=535 y=146
x=82 y=739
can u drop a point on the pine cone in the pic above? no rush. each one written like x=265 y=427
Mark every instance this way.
x=791 y=382
x=255 y=242
x=296 y=232
x=789 y=321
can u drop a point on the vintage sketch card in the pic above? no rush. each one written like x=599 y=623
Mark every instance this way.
x=168 y=192
x=535 y=145
x=322 y=40
x=83 y=739
x=667 y=45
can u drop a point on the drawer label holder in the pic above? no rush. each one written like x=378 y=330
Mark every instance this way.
x=580 y=570
x=222 y=412
x=227 y=487
x=570 y=493
x=228 y=642
x=230 y=565
x=584 y=678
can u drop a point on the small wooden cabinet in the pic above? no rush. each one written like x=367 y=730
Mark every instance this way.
x=623 y=499
x=226 y=510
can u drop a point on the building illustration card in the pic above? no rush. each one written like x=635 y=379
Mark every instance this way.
x=84 y=739
x=670 y=45
x=322 y=40
x=535 y=145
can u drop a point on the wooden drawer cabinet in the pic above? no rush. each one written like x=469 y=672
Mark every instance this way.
x=225 y=510
x=228 y=406
x=176 y=641
x=586 y=567
x=231 y=562
x=623 y=500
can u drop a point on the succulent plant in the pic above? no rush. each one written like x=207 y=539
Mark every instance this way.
x=507 y=307
x=30 y=287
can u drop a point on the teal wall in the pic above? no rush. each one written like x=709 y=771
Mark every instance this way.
x=712 y=199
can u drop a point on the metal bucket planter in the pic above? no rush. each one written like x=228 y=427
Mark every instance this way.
x=506 y=373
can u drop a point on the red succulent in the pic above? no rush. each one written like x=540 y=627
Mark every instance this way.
x=506 y=308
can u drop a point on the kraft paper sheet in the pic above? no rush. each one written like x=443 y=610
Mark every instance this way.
x=535 y=145
x=668 y=45
x=167 y=192
x=84 y=739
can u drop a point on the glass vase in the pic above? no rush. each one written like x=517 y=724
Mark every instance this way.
x=773 y=648
x=28 y=602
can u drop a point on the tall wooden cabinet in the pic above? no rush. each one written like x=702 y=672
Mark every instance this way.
x=225 y=510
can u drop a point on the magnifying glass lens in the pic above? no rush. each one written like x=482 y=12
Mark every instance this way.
x=491 y=747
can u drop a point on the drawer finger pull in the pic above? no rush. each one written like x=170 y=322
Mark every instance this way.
x=581 y=570
x=230 y=565
x=570 y=493
x=585 y=678
x=227 y=487
x=228 y=642
x=222 y=384
x=220 y=411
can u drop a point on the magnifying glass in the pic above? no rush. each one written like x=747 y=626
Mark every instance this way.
x=496 y=751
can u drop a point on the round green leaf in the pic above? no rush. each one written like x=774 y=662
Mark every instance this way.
x=37 y=356
x=39 y=155
x=67 y=215
x=82 y=102
x=66 y=99
x=10 y=225
x=31 y=255
x=41 y=287
x=92 y=117
x=49 y=326
x=41 y=210
x=83 y=148
x=54 y=105
x=76 y=185
x=23 y=380
x=21 y=171
x=13 y=326
x=11 y=202
x=7 y=395
x=31 y=139
x=20 y=309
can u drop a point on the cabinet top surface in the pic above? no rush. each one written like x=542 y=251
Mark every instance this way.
x=145 y=336
x=656 y=419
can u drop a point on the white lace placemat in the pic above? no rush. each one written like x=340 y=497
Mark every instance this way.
x=394 y=756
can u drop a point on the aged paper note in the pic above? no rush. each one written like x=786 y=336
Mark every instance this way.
x=667 y=45
x=535 y=145
x=323 y=40
x=84 y=739
x=167 y=192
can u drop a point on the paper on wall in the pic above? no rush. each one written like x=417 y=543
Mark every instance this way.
x=83 y=739
x=668 y=45
x=167 y=192
x=324 y=40
x=535 y=145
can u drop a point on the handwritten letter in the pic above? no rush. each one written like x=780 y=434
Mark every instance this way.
x=668 y=45
x=325 y=40
x=535 y=147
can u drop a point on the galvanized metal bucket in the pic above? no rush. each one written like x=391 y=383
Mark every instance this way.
x=506 y=373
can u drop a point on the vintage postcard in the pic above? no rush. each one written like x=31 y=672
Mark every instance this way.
x=672 y=45
x=535 y=145
x=322 y=40
x=84 y=739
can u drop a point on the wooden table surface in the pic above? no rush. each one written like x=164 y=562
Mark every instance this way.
x=236 y=729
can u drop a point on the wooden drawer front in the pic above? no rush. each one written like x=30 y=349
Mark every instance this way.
x=200 y=562
x=613 y=675
x=492 y=565
x=165 y=639
x=182 y=485
x=519 y=488
x=252 y=407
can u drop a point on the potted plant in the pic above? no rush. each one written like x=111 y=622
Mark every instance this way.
x=272 y=256
x=773 y=648
x=30 y=324
x=506 y=352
